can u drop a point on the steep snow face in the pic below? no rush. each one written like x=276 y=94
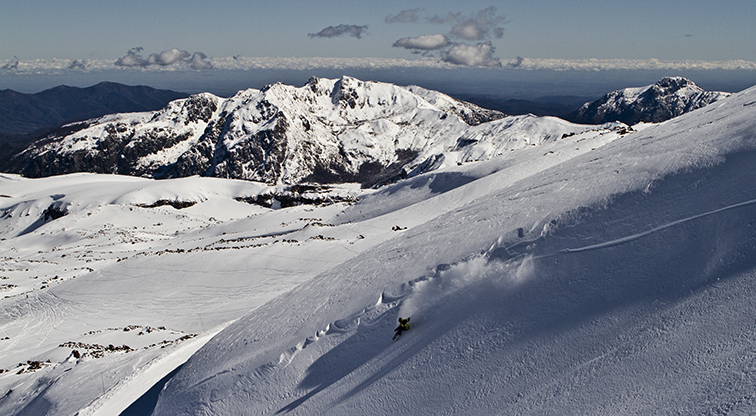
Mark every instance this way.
x=470 y=113
x=576 y=288
x=328 y=131
x=667 y=98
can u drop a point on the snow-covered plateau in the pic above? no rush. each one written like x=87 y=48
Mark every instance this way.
x=603 y=271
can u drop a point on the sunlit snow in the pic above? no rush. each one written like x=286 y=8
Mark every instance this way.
x=601 y=272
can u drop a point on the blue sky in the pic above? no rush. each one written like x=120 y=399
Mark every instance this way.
x=108 y=29
x=517 y=48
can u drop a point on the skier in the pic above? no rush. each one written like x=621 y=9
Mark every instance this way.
x=403 y=326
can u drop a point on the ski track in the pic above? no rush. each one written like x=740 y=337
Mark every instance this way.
x=387 y=302
x=633 y=237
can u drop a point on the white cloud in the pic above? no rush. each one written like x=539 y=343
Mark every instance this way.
x=423 y=42
x=480 y=54
x=199 y=61
x=170 y=57
x=132 y=58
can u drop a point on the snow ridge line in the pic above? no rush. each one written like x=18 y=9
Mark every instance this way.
x=118 y=398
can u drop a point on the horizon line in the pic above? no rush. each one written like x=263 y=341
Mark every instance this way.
x=56 y=66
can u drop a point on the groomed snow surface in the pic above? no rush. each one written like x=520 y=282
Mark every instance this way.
x=600 y=274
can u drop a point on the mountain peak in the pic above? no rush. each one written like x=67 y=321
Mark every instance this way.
x=667 y=98
x=327 y=131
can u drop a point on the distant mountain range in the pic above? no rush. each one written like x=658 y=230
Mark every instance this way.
x=26 y=113
x=328 y=131
x=24 y=118
x=667 y=98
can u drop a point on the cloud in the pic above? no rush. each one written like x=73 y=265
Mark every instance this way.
x=172 y=56
x=480 y=54
x=199 y=61
x=241 y=63
x=517 y=63
x=442 y=20
x=168 y=57
x=132 y=58
x=12 y=65
x=424 y=42
x=340 y=30
x=405 y=16
x=77 y=64
x=480 y=27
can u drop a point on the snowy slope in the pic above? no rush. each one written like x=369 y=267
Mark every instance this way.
x=328 y=131
x=667 y=98
x=599 y=272
x=597 y=285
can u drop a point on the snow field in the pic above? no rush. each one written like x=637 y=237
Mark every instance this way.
x=589 y=287
x=598 y=273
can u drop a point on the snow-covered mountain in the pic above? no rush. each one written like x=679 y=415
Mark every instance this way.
x=667 y=98
x=591 y=274
x=328 y=131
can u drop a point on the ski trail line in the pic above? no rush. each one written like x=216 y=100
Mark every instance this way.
x=633 y=237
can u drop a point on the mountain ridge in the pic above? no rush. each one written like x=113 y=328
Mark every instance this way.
x=327 y=131
x=667 y=98
x=25 y=113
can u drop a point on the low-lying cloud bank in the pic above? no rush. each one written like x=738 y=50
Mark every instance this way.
x=237 y=63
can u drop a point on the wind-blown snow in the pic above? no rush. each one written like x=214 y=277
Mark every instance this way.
x=599 y=272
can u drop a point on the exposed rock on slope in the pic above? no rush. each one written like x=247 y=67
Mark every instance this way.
x=667 y=98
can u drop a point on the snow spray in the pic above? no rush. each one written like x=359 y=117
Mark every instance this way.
x=463 y=275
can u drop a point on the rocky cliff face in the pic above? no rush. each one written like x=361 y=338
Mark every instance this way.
x=667 y=98
x=327 y=131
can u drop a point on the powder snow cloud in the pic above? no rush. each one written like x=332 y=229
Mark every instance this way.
x=341 y=30
x=173 y=56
